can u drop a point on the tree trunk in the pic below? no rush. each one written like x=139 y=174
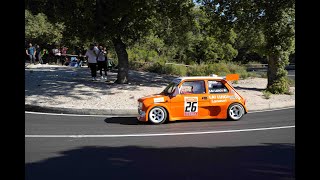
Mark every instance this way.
x=99 y=21
x=123 y=63
x=272 y=70
x=277 y=75
x=278 y=46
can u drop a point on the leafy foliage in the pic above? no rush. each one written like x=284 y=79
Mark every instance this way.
x=39 y=29
x=146 y=34
x=272 y=25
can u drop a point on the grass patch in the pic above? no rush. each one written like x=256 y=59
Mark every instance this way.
x=266 y=94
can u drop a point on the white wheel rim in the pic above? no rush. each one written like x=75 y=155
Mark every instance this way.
x=236 y=112
x=156 y=115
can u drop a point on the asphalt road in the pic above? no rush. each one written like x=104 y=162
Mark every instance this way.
x=85 y=147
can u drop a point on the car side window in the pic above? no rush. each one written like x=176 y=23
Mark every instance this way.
x=217 y=87
x=193 y=87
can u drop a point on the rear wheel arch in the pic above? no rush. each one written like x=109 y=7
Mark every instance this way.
x=235 y=111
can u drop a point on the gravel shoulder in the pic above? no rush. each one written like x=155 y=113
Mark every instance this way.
x=69 y=87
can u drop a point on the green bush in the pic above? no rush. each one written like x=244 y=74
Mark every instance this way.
x=266 y=94
x=238 y=69
x=162 y=68
x=176 y=70
x=221 y=69
x=158 y=65
x=279 y=87
x=196 y=70
x=154 y=67
x=136 y=65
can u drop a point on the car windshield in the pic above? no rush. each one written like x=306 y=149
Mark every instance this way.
x=170 y=88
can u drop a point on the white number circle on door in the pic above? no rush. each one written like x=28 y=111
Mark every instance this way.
x=190 y=106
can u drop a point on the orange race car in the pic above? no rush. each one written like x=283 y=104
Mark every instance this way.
x=190 y=98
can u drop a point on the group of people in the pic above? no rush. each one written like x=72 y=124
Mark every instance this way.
x=97 y=58
x=35 y=53
x=40 y=55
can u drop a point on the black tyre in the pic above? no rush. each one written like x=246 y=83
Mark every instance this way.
x=235 y=111
x=158 y=115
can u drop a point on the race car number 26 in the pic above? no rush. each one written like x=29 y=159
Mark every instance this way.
x=191 y=106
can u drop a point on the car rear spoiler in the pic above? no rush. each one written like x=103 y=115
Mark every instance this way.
x=231 y=77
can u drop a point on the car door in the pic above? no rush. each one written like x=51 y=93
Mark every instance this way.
x=192 y=101
x=219 y=98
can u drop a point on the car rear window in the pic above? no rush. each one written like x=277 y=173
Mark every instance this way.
x=217 y=87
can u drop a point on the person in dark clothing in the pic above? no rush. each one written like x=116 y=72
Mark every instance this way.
x=44 y=55
x=102 y=63
x=38 y=54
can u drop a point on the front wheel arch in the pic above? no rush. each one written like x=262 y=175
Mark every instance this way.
x=158 y=115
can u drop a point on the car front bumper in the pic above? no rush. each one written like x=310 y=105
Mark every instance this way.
x=142 y=115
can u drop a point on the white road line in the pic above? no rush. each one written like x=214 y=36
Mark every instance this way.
x=157 y=134
x=267 y=110
x=88 y=115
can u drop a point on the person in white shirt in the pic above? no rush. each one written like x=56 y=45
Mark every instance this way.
x=96 y=49
x=101 y=60
x=92 y=61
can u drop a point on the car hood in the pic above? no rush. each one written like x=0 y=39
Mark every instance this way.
x=157 y=98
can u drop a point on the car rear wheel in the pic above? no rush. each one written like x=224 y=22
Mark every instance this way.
x=235 y=111
x=157 y=115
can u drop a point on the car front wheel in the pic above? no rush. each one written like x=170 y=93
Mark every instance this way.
x=235 y=111
x=157 y=115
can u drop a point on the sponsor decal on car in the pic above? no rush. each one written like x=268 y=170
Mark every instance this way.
x=158 y=100
x=220 y=90
x=219 y=96
x=218 y=100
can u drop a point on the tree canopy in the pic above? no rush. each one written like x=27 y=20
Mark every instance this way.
x=173 y=30
x=272 y=22
x=39 y=29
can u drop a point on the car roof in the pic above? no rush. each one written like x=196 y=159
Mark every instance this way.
x=199 y=77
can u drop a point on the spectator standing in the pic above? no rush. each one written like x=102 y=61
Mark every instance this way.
x=44 y=55
x=31 y=52
x=38 y=54
x=101 y=60
x=92 y=61
x=65 y=59
x=57 y=54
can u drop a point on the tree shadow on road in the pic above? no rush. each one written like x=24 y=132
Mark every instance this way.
x=68 y=81
x=250 y=89
x=263 y=162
